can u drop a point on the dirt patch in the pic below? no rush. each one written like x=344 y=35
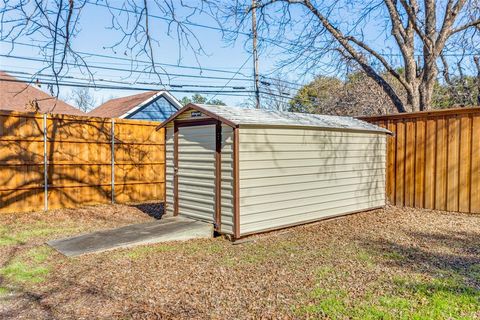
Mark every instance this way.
x=382 y=264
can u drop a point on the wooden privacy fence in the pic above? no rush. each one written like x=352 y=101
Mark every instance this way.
x=57 y=161
x=433 y=161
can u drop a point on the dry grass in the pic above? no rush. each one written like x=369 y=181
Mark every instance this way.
x=384 y=264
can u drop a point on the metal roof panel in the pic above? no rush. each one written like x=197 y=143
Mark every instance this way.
x=246 y=116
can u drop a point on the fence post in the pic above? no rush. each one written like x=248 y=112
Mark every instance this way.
x=45 y=163
x=113 y=161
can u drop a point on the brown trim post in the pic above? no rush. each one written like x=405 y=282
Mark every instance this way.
x=218 y=176
x=45 y=163
x=164 y=170
x=112 y=164
x=236 y=185
x=175 y=170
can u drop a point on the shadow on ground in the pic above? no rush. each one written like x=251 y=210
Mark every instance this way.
x=454 y=253
x=155 y=210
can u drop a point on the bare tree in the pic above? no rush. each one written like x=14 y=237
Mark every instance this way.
x=323 y=30
x=330 y=34
x=276 y=93
x=55 y=24
x=82 y=99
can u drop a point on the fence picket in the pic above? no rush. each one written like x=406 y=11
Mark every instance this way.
x=436 y=159
x=58 y=161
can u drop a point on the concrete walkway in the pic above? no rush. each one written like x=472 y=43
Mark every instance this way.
x=166 y=229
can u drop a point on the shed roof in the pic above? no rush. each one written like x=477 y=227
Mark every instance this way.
x=242 y=116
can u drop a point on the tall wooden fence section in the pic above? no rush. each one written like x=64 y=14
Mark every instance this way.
x=433 y=160
x=57 y=161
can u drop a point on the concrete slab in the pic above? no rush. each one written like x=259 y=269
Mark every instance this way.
x=167 y=229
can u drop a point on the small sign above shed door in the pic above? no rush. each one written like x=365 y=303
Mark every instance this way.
x=196 y=114
x=196 y=172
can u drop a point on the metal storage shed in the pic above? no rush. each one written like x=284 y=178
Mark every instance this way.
x=250 y=170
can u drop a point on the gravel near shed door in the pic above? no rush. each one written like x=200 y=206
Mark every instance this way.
x=392 y=263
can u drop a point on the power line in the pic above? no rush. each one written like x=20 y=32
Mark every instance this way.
x=131 y=88
x=267 y=83
x=225 y=86
x=123 y=82
x=163 y=64
x=126 y=85
x=28 y=77
x=156 y=84
x=131 y=60
x=123 y=70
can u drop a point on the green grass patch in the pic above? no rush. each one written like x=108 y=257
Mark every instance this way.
x=4 y=291
x=443 y=297
x=365 y=257
x=22 y=272
x=332 y=303
x=324 y=271
x=39 y=254
x=32 y=232
x=396 y=256
x=29 y=267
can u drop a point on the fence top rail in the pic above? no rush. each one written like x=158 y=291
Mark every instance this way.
x=424 y=114
x=66 y=117
x=20 y=114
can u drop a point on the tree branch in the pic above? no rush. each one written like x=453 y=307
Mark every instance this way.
x=475 y=23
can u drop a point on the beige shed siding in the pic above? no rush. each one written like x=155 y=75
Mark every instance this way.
x=196 y=172
x=169 y=143
x=169 y=147
x=290 y=176
x=227 y=180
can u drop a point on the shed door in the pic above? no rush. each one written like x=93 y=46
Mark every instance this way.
x=196 y=172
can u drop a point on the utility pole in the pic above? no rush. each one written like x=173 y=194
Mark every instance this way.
x=255 y=53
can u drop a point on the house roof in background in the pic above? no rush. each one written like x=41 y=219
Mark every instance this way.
x=116 y=108
x=17 y=95
x=243 y=116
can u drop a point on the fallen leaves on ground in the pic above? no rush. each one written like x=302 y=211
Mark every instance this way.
x=386 y=263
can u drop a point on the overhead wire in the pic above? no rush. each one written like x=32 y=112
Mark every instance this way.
x=136 y=61
x=238 y=87
x=226 y=84
x=298 y=86
x=123 y=70
x=130 y=88
x=171 y=65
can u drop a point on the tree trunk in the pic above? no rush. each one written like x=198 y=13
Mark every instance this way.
x=476 y=59
x=413 y=98
x=430 y=72
x=426 y=94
